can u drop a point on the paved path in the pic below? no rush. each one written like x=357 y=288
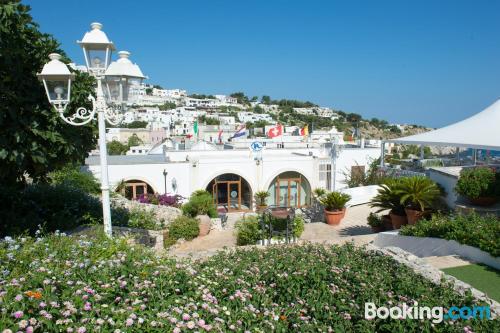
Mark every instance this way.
x=352 y=228
x=447 y=261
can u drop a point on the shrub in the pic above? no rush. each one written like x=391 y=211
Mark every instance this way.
x=182 y=227
x=334 y=200
x=311 y=288
x=72 y=176
x=160 y=199
x=478 y=182
x=319 y=192
x=260 y=197
x=375 y=220
x=389 y=197
x=200 y=203
x=418 y=192
x=298 y=226
x=248 y=231
x=479 y=231
x=144 y=219
x=53 y=207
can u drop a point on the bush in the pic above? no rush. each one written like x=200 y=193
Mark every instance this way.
x=160 y=199
x=200 y=203
x=144 y=219
x=182 y=227
x=375 y=220
x=479 y=231
x=418 y=192
x=106 y=285
x=248 y=231
x=72 y=176
x=478 y=182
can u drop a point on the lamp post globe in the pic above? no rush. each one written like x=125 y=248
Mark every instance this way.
x=56 y=79
x=97 y=49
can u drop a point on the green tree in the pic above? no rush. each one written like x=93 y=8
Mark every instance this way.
x=240 y=97
x=34 y=140
x=149 y=91
x=137 y=124
x=116 y=148
x=266 y=100
x=167 y=106
x=134 y=140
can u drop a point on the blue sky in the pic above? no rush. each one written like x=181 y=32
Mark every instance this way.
x=425 y=62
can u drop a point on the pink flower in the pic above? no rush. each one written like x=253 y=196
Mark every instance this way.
x=29 y=329
x=18 y=314
x=82 y=329
x=18 y=298
x=176 y=330
x=190 y=325
x=42 y=304
x=129 y=322
x=87 y=306
x=186 y=317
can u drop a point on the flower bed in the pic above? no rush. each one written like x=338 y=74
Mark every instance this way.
x=482 y=232
x=71 y=284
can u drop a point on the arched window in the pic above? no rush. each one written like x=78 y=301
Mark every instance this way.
x=290 y=189
x=132 y=189
x=231 y=191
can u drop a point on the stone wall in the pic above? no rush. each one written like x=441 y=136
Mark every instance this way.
x=165 y=213
x=149 y=238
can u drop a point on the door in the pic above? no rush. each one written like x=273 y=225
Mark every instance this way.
x=288 y=192
x=234 y=198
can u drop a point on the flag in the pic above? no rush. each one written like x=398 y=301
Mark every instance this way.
x=240 y=132
x=219 y=135
x=195 y=127
x=304 y=131
x=275 y=131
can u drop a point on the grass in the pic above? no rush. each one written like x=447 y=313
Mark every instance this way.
x=479 y=276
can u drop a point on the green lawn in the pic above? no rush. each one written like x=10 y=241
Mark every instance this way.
x=479 y=276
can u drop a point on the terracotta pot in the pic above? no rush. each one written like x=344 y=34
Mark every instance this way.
x=334 y=217
x=398 y=220
x=261 y=208
x=377 y=228
x=414 y=215
x=483 y=201
x=205 y=224
x=387 y=222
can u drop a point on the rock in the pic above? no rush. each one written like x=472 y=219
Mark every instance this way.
x=162 y=213
x=205 y=225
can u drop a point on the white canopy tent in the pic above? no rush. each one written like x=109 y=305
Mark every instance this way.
x=481 y=131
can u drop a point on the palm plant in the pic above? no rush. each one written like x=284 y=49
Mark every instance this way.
x=333 y=201
x=260 y=197
x=389 y=197
x=418 y=192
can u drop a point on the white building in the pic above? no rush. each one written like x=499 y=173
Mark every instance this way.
x=251 y=117
x=206 y=103
x=234 y=175
x=225 y=100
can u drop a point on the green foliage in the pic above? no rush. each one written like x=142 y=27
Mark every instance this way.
x=319 y=192
x=72 y=176
x=418 y=192
x=135 y=124
x=144 y=219
x=327 y=285
x=117 y=148
x=167 y=106
x=334 y=200
x=54 y=207
x=200 y=203
x=375 y=220
x=389 y=197
x=248 y=231
x=182 y=227
x=260 y=197
x=479 y=231
x=209 y=120
x=34 y=140
x=201 y=96
x=134 y=140
x=370 y=177
x=478 y=182
x=240 y=97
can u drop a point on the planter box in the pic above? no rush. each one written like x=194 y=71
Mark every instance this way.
x=427 y=247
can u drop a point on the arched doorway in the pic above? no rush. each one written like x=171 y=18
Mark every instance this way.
x=289 y=189
x=231 y=191
x=134 y=188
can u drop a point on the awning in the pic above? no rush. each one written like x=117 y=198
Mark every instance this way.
x=481 y=131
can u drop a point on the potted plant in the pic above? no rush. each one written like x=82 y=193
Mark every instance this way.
x=376 y=222
x=260 y=200
x=480 y=185
x=417 y=195
x=389 y=198
x=334 y=206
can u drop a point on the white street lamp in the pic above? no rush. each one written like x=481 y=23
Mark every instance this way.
x=118 y=77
